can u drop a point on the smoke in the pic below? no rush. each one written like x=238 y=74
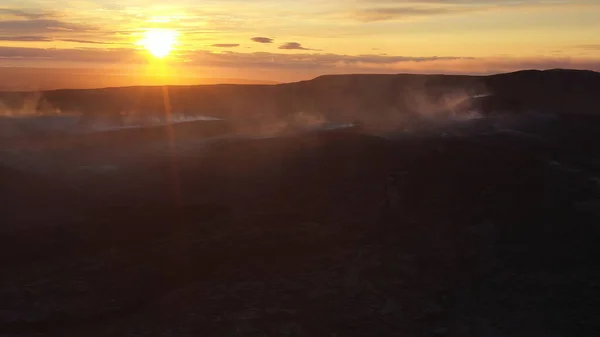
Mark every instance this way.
x=26 y=104
x=411 y=108
x=25 y=114
x=378 y=105
x=139 y=120
x=274 y=125
x=456 y=104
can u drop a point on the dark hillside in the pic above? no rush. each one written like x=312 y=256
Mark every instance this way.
x=321 y=234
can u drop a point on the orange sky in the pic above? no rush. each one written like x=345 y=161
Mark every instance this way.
x=286 y=40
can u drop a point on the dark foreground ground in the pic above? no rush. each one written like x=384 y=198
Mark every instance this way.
x=484 y=234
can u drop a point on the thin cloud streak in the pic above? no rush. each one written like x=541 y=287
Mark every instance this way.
x=226 y=45
x=117 y=55
x=49 y=39
x=89 y=41
x=589 y=46
x=388 y=10
x=41 y=26
x=25 y=38
x=25 y=14
x=399 y=13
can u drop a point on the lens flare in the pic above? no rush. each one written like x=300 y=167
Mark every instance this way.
x=159 y=42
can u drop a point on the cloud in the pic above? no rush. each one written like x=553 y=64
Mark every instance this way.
x=33 y=23
x=293 y=46
x=29 y=38
x=40 y=26
x=399 y=13
x=25 y=38
x=25 y=14
x=118 y=55
x=384 y=10
x=262 y=39
x=226 y=45
x=589 y=46
x=88 y=41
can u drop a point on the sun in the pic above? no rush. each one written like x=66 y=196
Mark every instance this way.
x=159 y=42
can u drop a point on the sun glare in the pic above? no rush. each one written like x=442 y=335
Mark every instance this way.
x=159 y=42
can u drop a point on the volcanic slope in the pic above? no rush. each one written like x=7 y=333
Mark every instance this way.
x=321 y=234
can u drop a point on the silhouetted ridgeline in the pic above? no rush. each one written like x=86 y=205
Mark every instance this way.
x=338 y=97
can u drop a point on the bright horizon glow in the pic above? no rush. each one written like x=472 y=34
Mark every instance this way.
x=159 y=42
x=285 y=40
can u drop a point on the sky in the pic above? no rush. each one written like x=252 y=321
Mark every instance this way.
x=289 y=40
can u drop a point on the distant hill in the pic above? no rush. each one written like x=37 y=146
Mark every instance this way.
x=383 y=99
